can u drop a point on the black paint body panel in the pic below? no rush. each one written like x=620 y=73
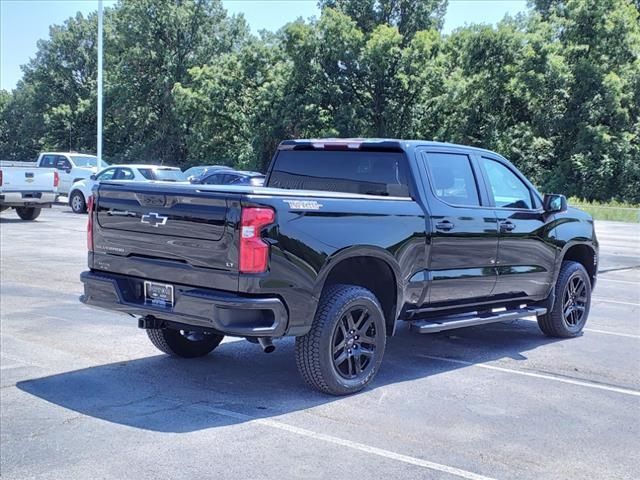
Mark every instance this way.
x=474 y=264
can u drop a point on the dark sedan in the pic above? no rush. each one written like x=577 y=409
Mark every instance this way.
x=230 y=177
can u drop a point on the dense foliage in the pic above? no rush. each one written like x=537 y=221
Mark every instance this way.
x=556 y=90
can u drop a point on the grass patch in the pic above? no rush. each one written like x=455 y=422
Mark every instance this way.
x=613 y=210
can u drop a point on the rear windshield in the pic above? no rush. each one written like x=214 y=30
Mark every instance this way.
x=363 y=172
x=164 y=174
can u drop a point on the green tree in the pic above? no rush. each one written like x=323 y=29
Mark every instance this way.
x=156 y=43
x=408 y=16
x=599 y=151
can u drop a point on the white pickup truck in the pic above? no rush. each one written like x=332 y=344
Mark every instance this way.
x=27 y=188
x=71 y=167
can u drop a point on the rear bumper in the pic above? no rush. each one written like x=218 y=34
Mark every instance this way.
x=224 y=312
x=27 y=199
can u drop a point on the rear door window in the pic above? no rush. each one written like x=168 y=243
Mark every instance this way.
x=452 y=179
x=123 y=174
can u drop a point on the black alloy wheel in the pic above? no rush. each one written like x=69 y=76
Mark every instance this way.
x=570 y=310
x=574 y=301
x=354 y=343
x=342 y=352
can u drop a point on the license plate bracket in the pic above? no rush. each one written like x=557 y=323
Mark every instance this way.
x=158 y=294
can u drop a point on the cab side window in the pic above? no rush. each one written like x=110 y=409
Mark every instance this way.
x=452 y=178
x=48 y=161
x=507 y=189
x=62 y=163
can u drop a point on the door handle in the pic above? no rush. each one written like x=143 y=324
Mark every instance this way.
x=507 y=226
x=445 y=225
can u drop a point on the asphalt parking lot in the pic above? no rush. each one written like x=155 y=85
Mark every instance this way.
x=84 y=394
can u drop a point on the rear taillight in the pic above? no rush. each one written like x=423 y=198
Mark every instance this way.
x=56 y=178
x=254 y=252
x=90 y=224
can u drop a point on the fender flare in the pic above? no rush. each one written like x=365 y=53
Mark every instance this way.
x=362 y=251
x=559 y=259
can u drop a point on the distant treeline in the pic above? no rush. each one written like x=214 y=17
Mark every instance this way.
x=555 y=90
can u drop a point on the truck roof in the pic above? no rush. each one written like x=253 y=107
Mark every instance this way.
x=378 y=143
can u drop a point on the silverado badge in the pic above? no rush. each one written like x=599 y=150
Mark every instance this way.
x=303 y=204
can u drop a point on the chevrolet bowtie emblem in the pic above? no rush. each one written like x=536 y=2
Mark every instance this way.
x=154 y=219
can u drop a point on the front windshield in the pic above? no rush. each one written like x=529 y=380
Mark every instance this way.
x=87 y=161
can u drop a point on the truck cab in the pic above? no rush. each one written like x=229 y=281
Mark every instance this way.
x=71 y=167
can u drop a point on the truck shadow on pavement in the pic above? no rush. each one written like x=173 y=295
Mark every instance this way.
x=238 y=383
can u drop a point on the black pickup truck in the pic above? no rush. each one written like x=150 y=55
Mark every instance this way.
x=346 y=238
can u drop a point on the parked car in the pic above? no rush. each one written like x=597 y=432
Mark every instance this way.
x=26 y=188
x=81 y=190
x=200 y=169
x=71 y=167
x=229 y=177
x=347 y=238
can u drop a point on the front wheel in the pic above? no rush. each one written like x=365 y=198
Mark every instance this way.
x=77 y=202
x=184 y=343
x=342 y=352
x=573 y=300
x=28 y=213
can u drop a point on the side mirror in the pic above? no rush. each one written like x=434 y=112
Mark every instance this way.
x=67 y=170
x=553 y=203
x=92 y=177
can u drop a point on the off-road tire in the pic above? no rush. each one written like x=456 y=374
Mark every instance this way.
x=77 y=202
x=554 y=323
x=172 y=342
x=315 y=350
x=28 y=213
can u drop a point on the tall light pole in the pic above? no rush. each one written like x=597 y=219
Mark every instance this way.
x=99 y=140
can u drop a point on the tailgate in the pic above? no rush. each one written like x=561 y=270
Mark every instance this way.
x=21 y=179
x=167 y=232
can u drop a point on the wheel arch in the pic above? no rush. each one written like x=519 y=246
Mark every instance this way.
x=583 y=253
x=369 y=267
x=78 y=190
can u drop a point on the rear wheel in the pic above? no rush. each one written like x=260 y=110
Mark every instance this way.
x=343 y=351
x=28 y=213
x=573 y=300
x=184 y=343
x=77 y=202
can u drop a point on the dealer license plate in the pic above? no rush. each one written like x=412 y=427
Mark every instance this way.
x=158 y=294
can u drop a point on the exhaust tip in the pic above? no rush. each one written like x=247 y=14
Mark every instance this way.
x=266 y=344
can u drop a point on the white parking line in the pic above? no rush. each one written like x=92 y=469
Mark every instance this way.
x=592 y=330
x=607 y=279
x=350 y=444
x=628 y=335
x=10 y=367
x=581 y=383
x=598 y=299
